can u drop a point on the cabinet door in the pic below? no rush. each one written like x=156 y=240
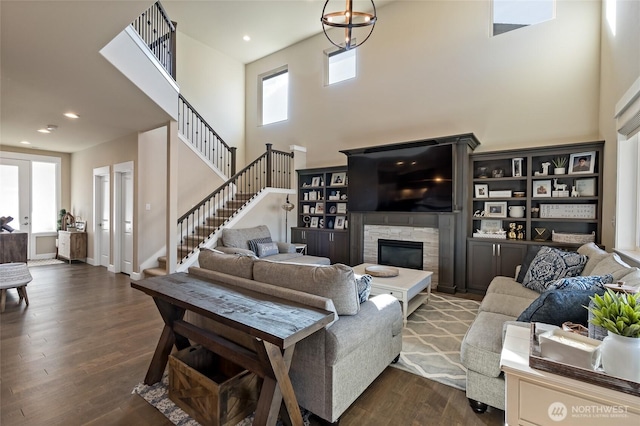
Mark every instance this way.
x=307 y=236
x=298 y=236
x=481 y=265
x=339 y=247
x=508 y=257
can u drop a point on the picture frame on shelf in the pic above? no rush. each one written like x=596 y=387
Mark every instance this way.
x=541 y=188
x=313 y=195
x=341 y=208
x=586 y=187
x=81 y=226
x=315 y=181
x=495 y=209
x=319 y=208
x=491 y=226
x=516 y=167
x=481 y=191
x=338 y=179
x=314 y=222
x=339 y=222
x=583 y=162
x=305 y=209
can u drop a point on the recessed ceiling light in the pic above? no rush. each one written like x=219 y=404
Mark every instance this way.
x=246 y=38
x=71 y=115
x=25 y=142
x=50 y=128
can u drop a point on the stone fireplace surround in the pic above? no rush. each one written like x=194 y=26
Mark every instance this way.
x=439 y=228
x=427 y=236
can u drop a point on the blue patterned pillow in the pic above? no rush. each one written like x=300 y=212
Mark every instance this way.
x=551 y=264
x=558 y=306
x=592 y=282
x=267 y=249
x=364 y=287
x=253 y=244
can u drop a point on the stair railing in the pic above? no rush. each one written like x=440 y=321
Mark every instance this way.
x=272 y=169
x=159 y=34
x=204 y=139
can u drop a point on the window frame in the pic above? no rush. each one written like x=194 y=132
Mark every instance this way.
x=284 y=69
x=334 y=51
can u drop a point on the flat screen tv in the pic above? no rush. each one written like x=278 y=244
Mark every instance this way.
x=412 y=178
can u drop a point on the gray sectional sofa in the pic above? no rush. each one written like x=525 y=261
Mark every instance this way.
x=506 y=301
x=239 y=241
x=330 y=368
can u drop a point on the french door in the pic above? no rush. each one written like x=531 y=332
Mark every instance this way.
x=30 y=194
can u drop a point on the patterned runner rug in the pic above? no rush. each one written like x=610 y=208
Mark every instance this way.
x=431 y=340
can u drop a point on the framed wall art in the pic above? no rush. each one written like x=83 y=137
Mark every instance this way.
x=495 y=209
x=542 y=188
x=584 y=162
x=482 y=191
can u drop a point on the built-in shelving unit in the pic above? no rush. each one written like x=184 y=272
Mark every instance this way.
x=322 y=216
x=523 y=191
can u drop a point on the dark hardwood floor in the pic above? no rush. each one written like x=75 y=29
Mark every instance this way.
x=74 y=355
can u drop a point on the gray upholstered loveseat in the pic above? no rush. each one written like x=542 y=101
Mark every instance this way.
x=252 y=241
x=506 y=301
x=332 y=367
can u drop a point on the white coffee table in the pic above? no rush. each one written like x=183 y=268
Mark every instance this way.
x=407 y=287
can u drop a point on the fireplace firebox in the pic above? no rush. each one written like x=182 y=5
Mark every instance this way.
x=403 y=254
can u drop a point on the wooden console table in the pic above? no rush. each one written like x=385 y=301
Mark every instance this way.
x=273 y=325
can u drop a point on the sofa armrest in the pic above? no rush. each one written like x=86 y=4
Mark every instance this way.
x=286 y=247
x=235 y=250
x=379 y=315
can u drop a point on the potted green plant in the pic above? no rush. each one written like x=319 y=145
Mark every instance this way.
x=619 y=314
x=559 y=165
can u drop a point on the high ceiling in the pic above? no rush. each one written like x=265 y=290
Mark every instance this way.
x=50 y=61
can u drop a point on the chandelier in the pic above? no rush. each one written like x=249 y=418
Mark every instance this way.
x=353 y=22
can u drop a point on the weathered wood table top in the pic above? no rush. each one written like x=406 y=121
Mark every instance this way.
x=275 y=324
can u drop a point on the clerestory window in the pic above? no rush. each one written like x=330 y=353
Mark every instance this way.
x=509 y=15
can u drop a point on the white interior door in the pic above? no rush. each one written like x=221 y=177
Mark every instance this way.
x=15 y=194
x=126 y=225
x=103 y=221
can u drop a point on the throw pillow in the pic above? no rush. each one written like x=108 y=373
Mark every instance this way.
x=595 y=255
x=267 y=249
x=592 y=282
x=253 y=244
x=532 y=251
x=612 y=264
x=632 y=278
x=558 y=306
x=364 y=287
x=551 y=264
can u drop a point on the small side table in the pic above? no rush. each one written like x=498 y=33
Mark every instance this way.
x=14 y=275
x=539 y=397
x=300 y=248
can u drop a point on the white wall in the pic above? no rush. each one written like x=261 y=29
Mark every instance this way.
x=214 y=84
x=431 y=69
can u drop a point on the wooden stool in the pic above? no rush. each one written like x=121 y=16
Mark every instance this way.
x=14 y=275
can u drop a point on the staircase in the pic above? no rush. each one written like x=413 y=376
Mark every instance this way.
x=271 y=169
x=209 y=227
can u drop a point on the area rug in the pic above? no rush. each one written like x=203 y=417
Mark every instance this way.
x=158 y=396
x=43 y=262
x=431 y=340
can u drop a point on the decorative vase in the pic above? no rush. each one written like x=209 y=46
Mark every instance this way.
x=620 y=356
x=559 y=171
